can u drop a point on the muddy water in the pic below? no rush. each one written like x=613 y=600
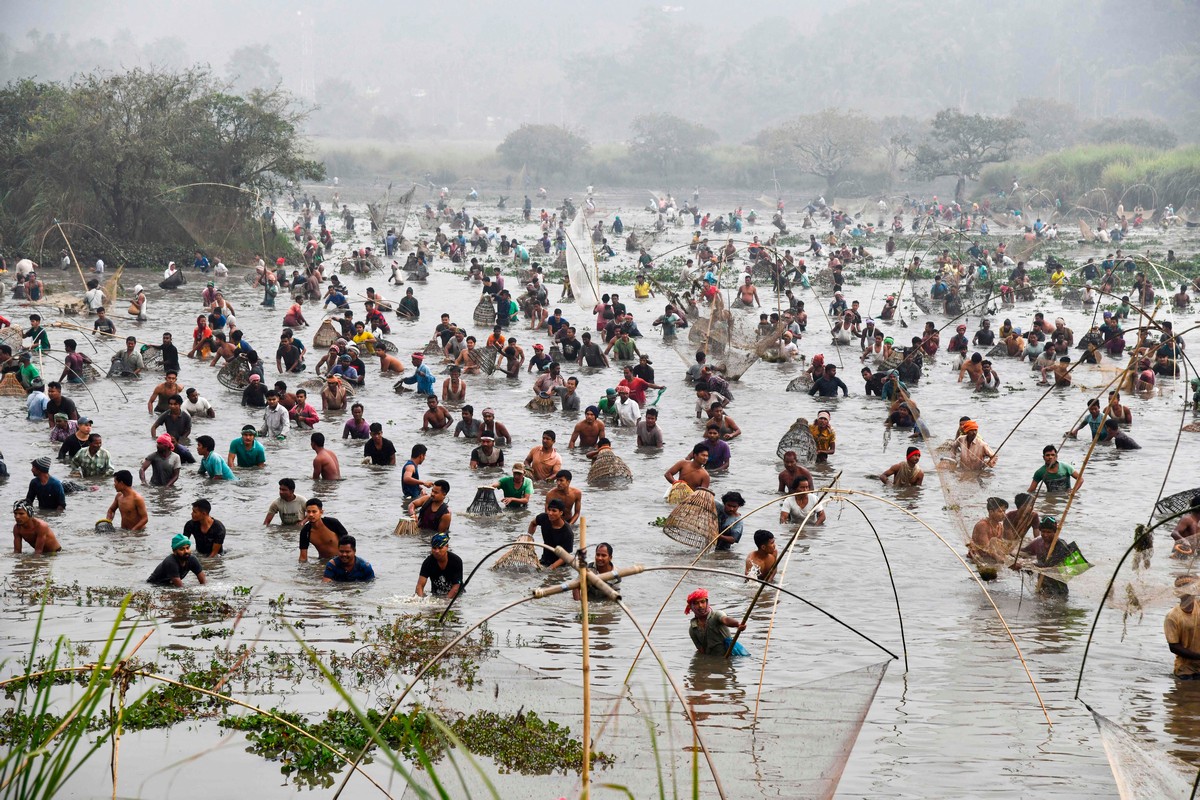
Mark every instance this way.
x=961 y=721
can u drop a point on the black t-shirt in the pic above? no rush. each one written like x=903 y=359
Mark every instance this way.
x=65 y=405
x=170 y=569
x=170 y=357
x=381 y=456
x=570 y=348
x=205 y=541
x=441 y=581
x=564 y=537
x=289 y=354
x=255 y=395
x=985 y=337
x=70 y=446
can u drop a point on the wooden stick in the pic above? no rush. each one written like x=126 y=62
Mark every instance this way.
x=75 y=260
x=581 y=567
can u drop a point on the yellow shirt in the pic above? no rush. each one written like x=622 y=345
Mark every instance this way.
x=1180 y=627
x=641 y=290
x=365 y=342
x=1058 y=278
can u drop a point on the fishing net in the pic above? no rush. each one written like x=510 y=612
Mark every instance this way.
x=485 y=358
x=543 y=404
x=555 y=353
x=11 y=387
x=997 y=351
x=1176 y=503
x=407 y=526
x=152 y=356
x=117 y=370
x=12 y=336
x=734 y=364
x=801 y=383
x=252 y=279
x=799 y=439
x=176 y=279
x=433 y=348
x=694 y=521
x=90 y=373
x=485 y=312
x=317 y=385
x=235 y=374
x=219 y=216
x=326 y=334
x=608 y=468
x=519 y=557
x=112 y=287
x=386 y=346
x=484 y=504
x=105 y=526
x=1140 y=770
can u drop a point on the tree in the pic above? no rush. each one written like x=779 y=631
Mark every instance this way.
x=252 y=67
x=824 y=144
x=897 y=137
x=961 y=144
x=542 y=147
x=106 y=150
x=668 y=144
x=1049 y=124
x=1133 y=130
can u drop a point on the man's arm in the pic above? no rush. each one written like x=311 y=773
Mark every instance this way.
x=143 y=516
x=420 y=590
x=174 y=477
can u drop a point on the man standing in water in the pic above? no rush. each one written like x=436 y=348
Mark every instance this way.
x=907 y=472
x=761 y=561
x=175 y=567
x=347 y=567
x=1182 y=629
x=28 y=529
x=289 y=505
x=441 y=569
x=709 y=629
x=322 y=532
x=325 y=462
x=131 y=504
x=1055 y=475
x=691 y=471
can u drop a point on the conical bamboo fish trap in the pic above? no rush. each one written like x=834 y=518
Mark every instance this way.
x=485 y=358
x=326 y=334
x=1176 y=503
x=694 y=521
x=386 y=346
x=485 y=311
x=678 y=492
x=235 y=374
x=519 y=557
x=11 y=387
x=433 y=348
x=485 y=503
x=608 y=468
x=12 y=336
x=541 y=404
x=407 y=526
x=802 y=383
x=800 y=439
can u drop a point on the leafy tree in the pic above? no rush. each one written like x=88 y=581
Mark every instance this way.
x=897 y=136
x=825 y=144
x=1135 y=131
x=1049 y=124
x=542 y=147
x=961 y=144
x=668 y=144
x=107 y=148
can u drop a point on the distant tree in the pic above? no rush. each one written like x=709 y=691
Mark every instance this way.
x=252 y=67
x=668 y=144
x=106 y=148
x=1049 y=124
x=961 y=144
x=548 y=148
x=825 y=144
x=897 y=138
x=1133 y=130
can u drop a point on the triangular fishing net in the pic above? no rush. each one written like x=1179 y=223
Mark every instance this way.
x=485 y=503
x=1141 y=771
x=219 y=217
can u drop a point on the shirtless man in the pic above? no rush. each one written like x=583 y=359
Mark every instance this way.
x=760 y=562
x=570 y=497
x=131 y=504
x=467 y=358
x=325 y=467
x=1022 y=519
x=748 y=294
x=27 y=529
x=989 y=529
x=1117 y=411
x=907 y=472
x=320 y=531
x=588 y=430
x=157 y=403
x=972 y=367
x=454 y=388
x=690 y=472
x=436 y=417
x=388 y=363
x=1061 y=372
x=1188 y=525
x=791 y=471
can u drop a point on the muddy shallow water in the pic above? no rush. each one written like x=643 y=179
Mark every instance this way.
x=962 y=721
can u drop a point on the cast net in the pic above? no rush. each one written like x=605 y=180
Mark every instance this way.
x=1141 y=771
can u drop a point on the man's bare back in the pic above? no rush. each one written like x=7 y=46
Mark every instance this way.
x=327 y=468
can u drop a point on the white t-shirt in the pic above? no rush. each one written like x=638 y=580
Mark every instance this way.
x=199 y=408
x=290 y=511
x=94 y=298
x=628 y=413
x=220 y=270
x=795 y=512
x=99 y=266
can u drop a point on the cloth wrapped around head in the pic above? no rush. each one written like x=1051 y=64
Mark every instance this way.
x=179 y=540
x=440 y=540
x=970 y=425
x=164 y=440
x=22 y=504
x=699 y=594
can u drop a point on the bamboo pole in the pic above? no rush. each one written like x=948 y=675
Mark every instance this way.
x=581 y=567
x=74 y=260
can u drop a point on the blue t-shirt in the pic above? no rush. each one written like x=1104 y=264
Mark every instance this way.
x=49 y=496
x=361 y=571
x=248 y=458
x=214 y=466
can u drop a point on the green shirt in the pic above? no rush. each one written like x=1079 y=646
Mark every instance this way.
x=27 y=373
x=509 y=486
x=90 y=465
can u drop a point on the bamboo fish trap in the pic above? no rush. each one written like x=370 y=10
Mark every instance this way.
x=11 y=387
x=608 y=469
x=485 y=503
x=485 y=312
x=326 y=335
x=800 y=439
x=694 y=521
x=678 y=492
x=407 y=526
x=235 y=374
x=519 y=557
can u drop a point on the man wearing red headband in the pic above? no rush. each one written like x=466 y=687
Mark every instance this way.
x=710 y=628
x=907 y=472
